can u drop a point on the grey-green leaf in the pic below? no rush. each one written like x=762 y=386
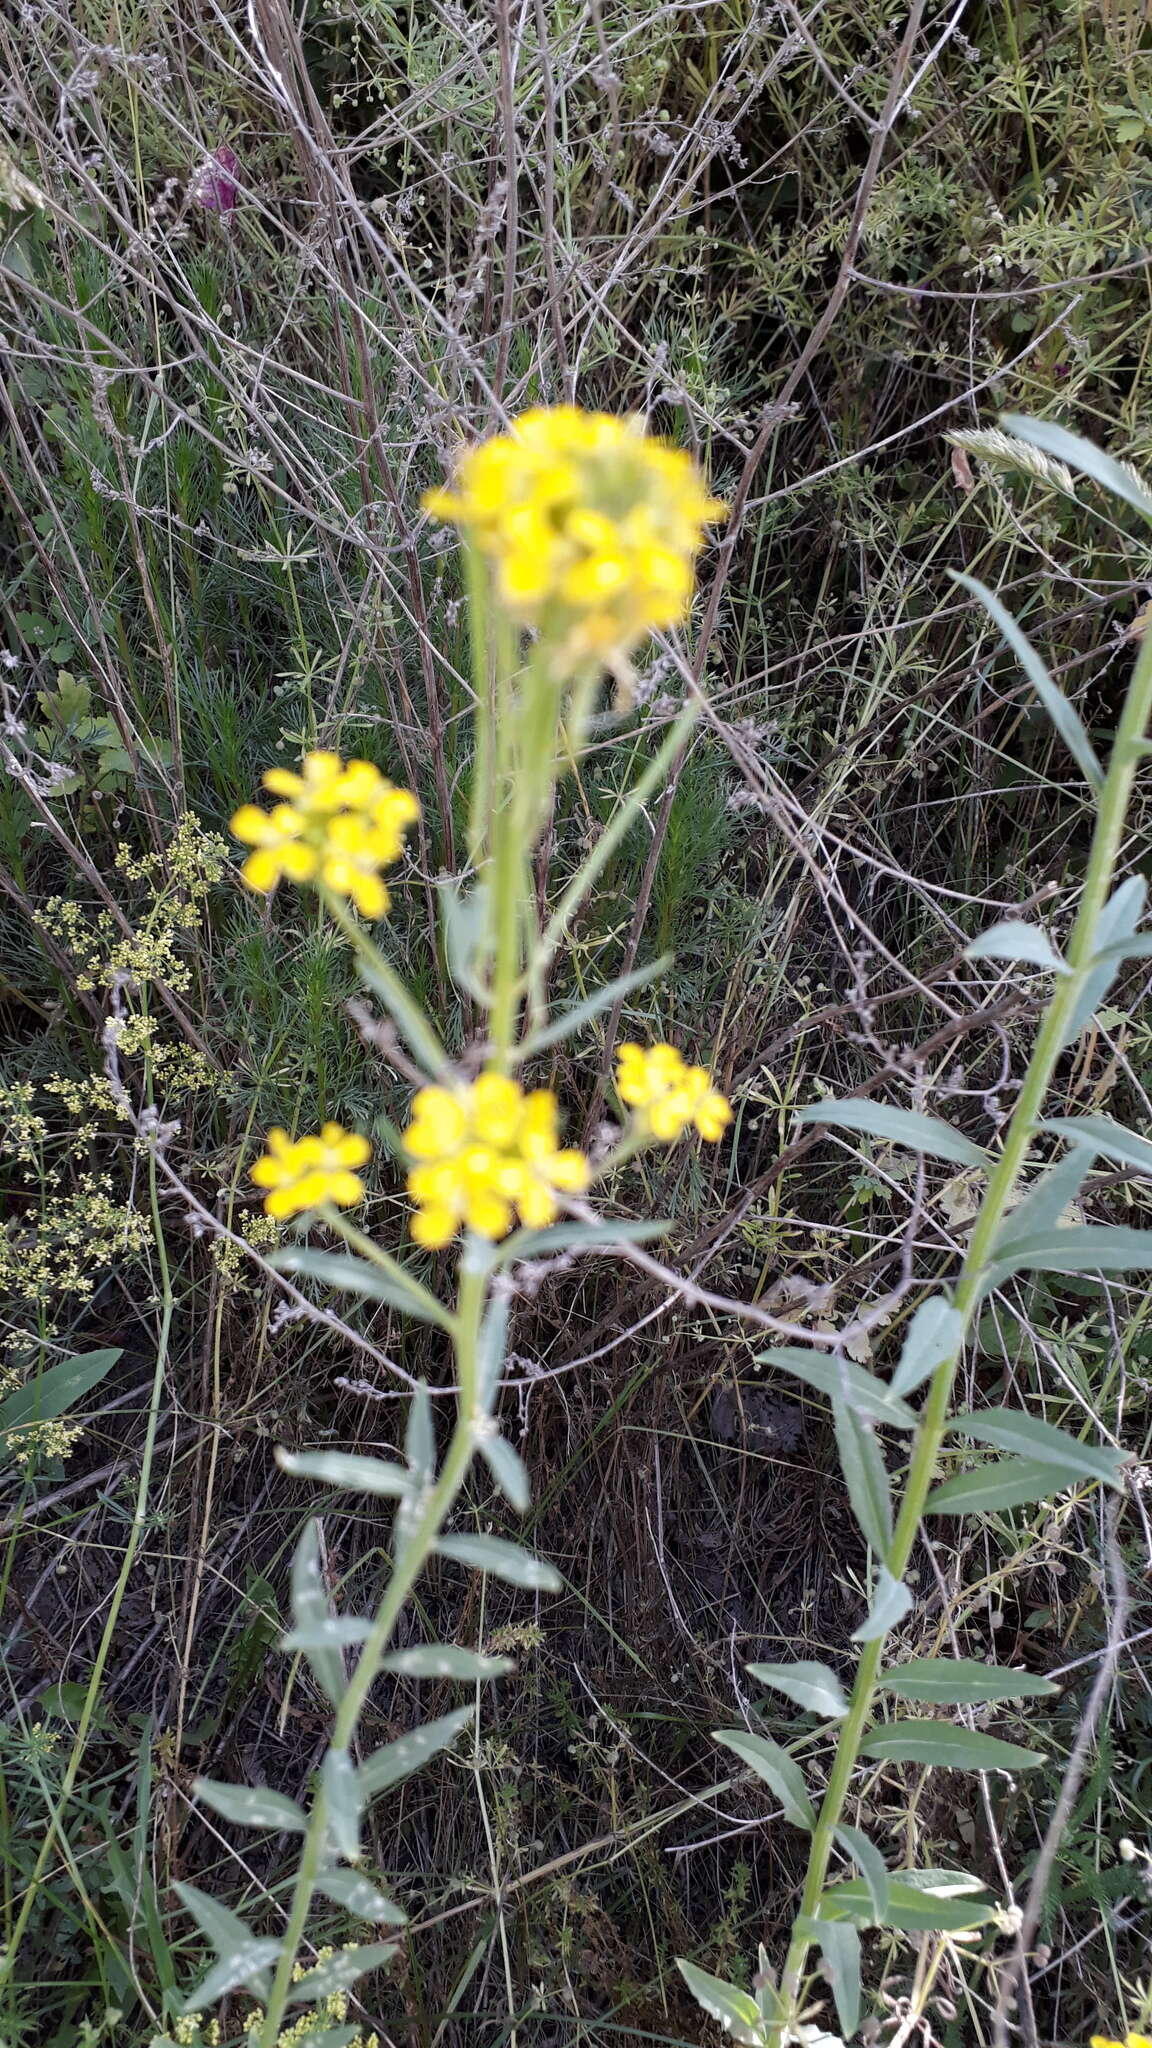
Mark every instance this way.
x=1044 y=1205
x=948 y=1747
x=1093 y=1248
x=1002 y=1483
x=335 y=1631
x=310 y=1608
x=910 y=1910
x=738 y=2014
x=491 y=1349
x=399 y=1759
x=573 y=1237
x=776 y=1767
x=570 y=1021
x=1100 y=1134
x=900 y=1126
x=1010 y=1429
x=348 y=1469
x=247 y=1965
x=1083 y=455
x=224 y=1929
x=346 y=1275
x=891 y=1601
x=445 y=1660
x=504 y=1560
x=1115 y=925
x=420 y=1436
x=840 y=1947
x=343 y=1802
x=961 y=1682
x=508 y=1470
x=842 y=1381
x=53 y=1392
x=1064 y=715
x=934 y=1335
x=871 y=1865
x=862 y=1464
x=359 y=1895
x=1014 y=940
x=812 y=1686
x=251 y=1806
x=340 y=1972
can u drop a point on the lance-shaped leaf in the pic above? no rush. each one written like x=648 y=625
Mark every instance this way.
x=1064 y=715
x=1010 y=1429
x=343 y=1801
x=1013 y=940
x=962 y=1682
x=947 y=1747
x=508 y=1470
x=842 y=1381
x=871 y=1865
x=399 y=1759
x=445 y=1660
x=341 y=1971
x=310 y=1607
x=248 y=1965
x=572 y=1237
x=909 y=1909
x=1001 y=1483
x=810 y=1685
x=840 y=1947
x=390 y=1283
x=934 y=1335
x=348 y=1469
x=1100 y=1134
x=568 y=1022
x=226 y=1931
x=504 y=1560
x=1115 y=926
x=738 y=2014
x=359 y=1895
x=900 y=1126
x=251 y=1806
x=1096 y=1248
x=334 y=1632
x=420 y=1436
x=779 y=1771
x=891 y=1601
x=865 y=1477
x=491 y=1350
x=1077 y=453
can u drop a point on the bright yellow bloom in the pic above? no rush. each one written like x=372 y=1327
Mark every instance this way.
x=339 y=825
x=668 y=1095
x=484 y=1154
x=1129 y=2041
x=301 y=1173
x=593 y=527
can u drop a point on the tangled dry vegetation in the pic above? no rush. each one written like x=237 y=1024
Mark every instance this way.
x=261 y=270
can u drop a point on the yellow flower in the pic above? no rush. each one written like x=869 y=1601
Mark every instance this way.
x=668 y=1095
x=483 y=1154
x=339 y=825
x=301 y=1173
x=593 y=527
x=1129 y=2041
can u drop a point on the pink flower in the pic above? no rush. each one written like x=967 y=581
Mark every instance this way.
x=214 y=186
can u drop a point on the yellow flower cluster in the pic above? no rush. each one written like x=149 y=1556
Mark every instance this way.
x=1129 y=2041
x=339 y=825
x=301 y=1173
x=669 y=1096
x=483 y=1154
x=593 y=527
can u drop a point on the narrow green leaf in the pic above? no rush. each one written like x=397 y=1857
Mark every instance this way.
x=343 y=1802
x=359 y=1895
x=1013 y=940
x=251 y=1806
x=504 y=1560
x=341 y=1971
x=310 y=1609
x=345 y=1468
x=408 y=1017
x=420 y=1436
x=961 y=1682
x=1064 y=715
x=508 y=1470
x=491 y=1349
x=1077 y=453
x=399 y=1759
x=1093 y=1248
x=779 y=1771
x=1002 y=1483
x=1010 y=1429
x=948 y=1747
x=891 y=1601
x=224 y=1929
x=445 y=1660
x=336 y=1631
x=738 y=2014
x=1045 y=1205
x=1115 y=925
x=347 y=1275
x=908 y=1909
x=862 y=1464
x=840 y=1948
x=934 y=1334
x=572 y=1237
x=55 y=1391
x=900 y=1126
x=569 y=1022
x=842 y=1381
x=871 y=1865
x=248 y=1965
x=810 y=1685
x=1100 y=1134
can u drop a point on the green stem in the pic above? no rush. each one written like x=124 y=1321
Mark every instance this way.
x=411 y=1556
x=1050 y=1042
